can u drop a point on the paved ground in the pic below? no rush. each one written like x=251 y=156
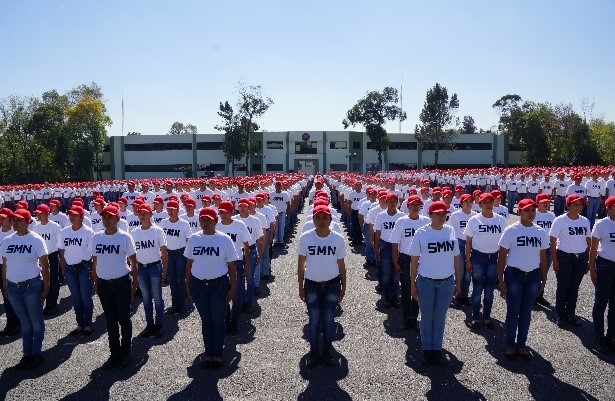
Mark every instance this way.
x=267 y=360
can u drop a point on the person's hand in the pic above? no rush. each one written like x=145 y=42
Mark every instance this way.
x=503 y=288
x=414 y=293
x=246 y=272
x=340 y=297
x=44 y=296
x=230 y=294
x=163 y=277
x=302 y=293
x=397 y=267
x=457 y=290
x=593 y=275
x=556 y=266
x=469 y=268
x=189 y=294
x=133 y=291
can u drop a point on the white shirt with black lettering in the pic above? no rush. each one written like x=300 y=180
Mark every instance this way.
x=524 y=245
x=385 y=223
x=111 y=252
x=76 y=244
x=544 y=220
x=604 y=230
x=193 y=222
x=458 y=221
x=210 y=254
x=238 y=232
x=404 y=231
x=571 y=234
x=485 y=232
x=148 y=243
x=436 y=250
x=279 y=200
x=177 y=233
x=253 y=225
x=60 y=218
x=322 y=254
x=22 y=253
x=50 y=232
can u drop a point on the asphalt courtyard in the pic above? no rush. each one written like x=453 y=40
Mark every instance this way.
x=266 y=361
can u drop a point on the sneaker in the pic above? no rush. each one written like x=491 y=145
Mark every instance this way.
x=158 y=331
x=439 y=359
x=313 y=360
x=23 y=363
x=111 y=362
x=147 y=331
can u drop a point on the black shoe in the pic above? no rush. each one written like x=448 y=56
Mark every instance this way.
x=216 y=364
x=34 y=362
x=512 y=356
x=158 y=331
x=76 y=332
x=542 y=301
x=206 y=364
x=313 y=360
x=23 y=363
x=9 y=331
x=170 y=311
x=257 y=292
x=490 y=325
x=147 y=331
x=328 y=360
x=378 y=288
x=524 y=354
x=573 y=321
x=476 y=325
x=266 y=277
x=86 y=332
x=50 y=311
x=111 y=362
x=123 y=362
x=413 y=324
x=561 y=322
x=232 y=330
x=602 y=346
x=439 y=359
x=427 y=360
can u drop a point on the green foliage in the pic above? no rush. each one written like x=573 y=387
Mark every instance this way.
x=373 y=111
x=438 y=113
x=603 y=136
x=54 y=138
x=178 y=128
x=235 y=138
x=467 y=126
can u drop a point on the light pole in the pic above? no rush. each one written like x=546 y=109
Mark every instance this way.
x=349 y=156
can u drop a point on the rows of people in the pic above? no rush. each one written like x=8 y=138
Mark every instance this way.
x=114 y=251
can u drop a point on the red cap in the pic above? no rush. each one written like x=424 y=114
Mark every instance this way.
x=5 y=212
x=392 y=195
x=476 y=193
x=608 y=203
x=208 y=213
x=22 y=214
x=243 y=201
x=99 y=201
x=382 y=194
x=321 y=209
x=172 y=204
x=77 y=210
x=54 y=202
x=42 y=209
x=577 y=177
x=110 y=210
x=23 y=204
x=485 y=196
x=123 y=200
x=542 y=198
x=216 y=196
x=206 y=198
x=458 y=188
x=226 y=206
x=414 y=199
x=465 y=197
x=437 y=207
x=526 y=203
x=574 y=198
x=447 y=193
x=190 y=202
x=436 y=189
x=144 y=208
x=158 y=199
x=496 y=194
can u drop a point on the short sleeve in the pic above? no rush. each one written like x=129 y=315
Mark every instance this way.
x=302 y=246
x=130 y=246
x=230 y=253
x=415 y=245
x=506 y=239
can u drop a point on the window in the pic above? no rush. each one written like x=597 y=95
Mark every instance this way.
x=257 y=167
x=305 y=148
x=275 y=167
x=402 y=166
x=403 y=146
x=139 y=147
x=275 y=145
x=338 y=167
x=338 y=145
x=158 y=168
x=356 y=145
x=210 y=167
x=459 y=146
x=209 y=145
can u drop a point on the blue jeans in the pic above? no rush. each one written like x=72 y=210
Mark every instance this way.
x=409 y=306
x=232 y=313
x=434 y=299
x=522 y=289
x=390 y=280
x=604 y=295
x=26 y=300
x=559 y=205
x=81 y=291
x=251 y=279
x=210 y=301
x=265 y=265
x=370 y=254
x=176 y=272
x=484 y=279
x=281 y=223
x=593 y=205
x=321 y=300
x=466 y=277
x=572 y=268
x=151 y=288
x=511 y=200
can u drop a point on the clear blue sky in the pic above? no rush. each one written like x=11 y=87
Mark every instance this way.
x=176 y=60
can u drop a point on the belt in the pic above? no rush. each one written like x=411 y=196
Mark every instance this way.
x=114 y=280
x=593 y=197
x=213 y=280
x=577 y=255
x=150 y=264
x=26 y=282
x=438 y=279
x=517 y=270
x=334 y=280
x=79 y=265
x=253 y=247
x=404 y=255
x=177 y=250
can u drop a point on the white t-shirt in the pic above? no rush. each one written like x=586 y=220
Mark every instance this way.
x=193 y=222
x=157 y=217
x=133 y=222
x=571 y=234
x=309 y=225
x=268 y=212
x=385 y=223
x=60 y=218
x=485 y=232
x=22 y=253
x=254 y=227
x=111 y=252
x=238 y=232
x=76 y=244
x=524 y=245
x=604 y=229
x=544 y=220
x=97 y=224
x=436 y=250
x=322 y=254
x=177 y=233
x=561 y=187
x=404 y=231
x=458 y=221
x=279 y=200
x=501 y=210
x=148 y=243
x=210 y=254
x=50 y=233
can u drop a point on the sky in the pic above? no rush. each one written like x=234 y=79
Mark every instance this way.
x=176 y=60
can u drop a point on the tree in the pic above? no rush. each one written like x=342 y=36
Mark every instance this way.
x=373 y=111
x=437 y=114
x=506 y=105
x=467 y=126
x=178 y=128
x=603 y=135
x=234 y=145
x=251 y=105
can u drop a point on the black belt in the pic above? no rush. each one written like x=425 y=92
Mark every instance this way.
x=438 y=279
x=253 y=247
x=79 y=265
x=517 y=270
x=114 y=280
x=334 y=280
x=177 y=250
x=150 y=264
x=593 y=197
x=571 y=254
x=213 y=280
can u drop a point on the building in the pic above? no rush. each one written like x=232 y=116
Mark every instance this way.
x=142 y=156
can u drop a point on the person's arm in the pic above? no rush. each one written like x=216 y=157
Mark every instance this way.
x=502 y=255
x=469 y=254
x=342 y=268
x=593 y=254
x=189 y=279
x=164 y=257
x=414 y=264
x=246 y=259
x=544 y=269
x=4 y=276
x=260 y=245
x=553 y=249
x=134 y=272
x=232 y=272
x=377 y=243
x=361 y=221
x=457 y=268
x=93 y=276
x=61 y=260
x=395 y=255
x=301 y=275
x=43 y=261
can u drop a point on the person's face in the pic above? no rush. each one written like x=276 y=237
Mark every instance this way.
x=158 y=207
x=144 y=217
x=575 y=207
x=438 y=219
x=543 y=207
x=392 y=204
x=467 y=204
x=528 y=214
x=414 y=208
x=110 y=221
x=487 y=205
x=322 y=220
x=611 y=211
x=75 y=219
x=224 y=215
x=5 y=223
x=448 y=200
x=172 y=212
x=207 y=224
x=19 y=224
x=244 y=209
